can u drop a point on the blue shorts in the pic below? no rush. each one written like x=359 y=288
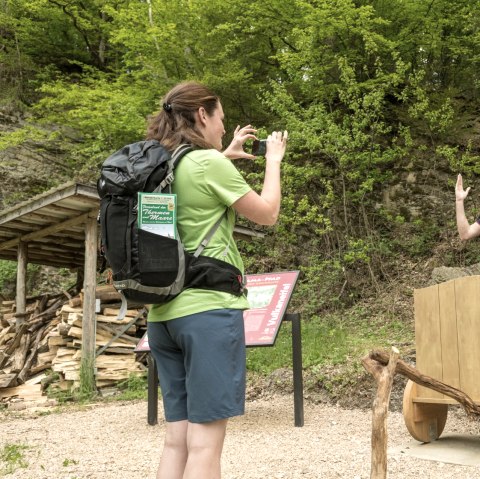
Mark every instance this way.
x=201 y=361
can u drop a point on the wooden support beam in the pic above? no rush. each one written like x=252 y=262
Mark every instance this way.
x=89 y=285
x=21 y=293
x=61 y=194
x=46 y=231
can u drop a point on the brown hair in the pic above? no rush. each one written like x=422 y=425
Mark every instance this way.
x=175 y=123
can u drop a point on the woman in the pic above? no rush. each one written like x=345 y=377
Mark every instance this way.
x=198 y=339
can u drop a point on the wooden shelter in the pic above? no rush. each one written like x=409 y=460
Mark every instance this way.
x=57 y=228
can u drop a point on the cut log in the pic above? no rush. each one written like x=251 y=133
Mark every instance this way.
x=31 y=356
x=8 y=380
x=69 y=309
x=39 y=368
x=102 y=342
x=56 y=341
x=107 y=295
x=29 y=392
x=9 y=317
x=101 y=318
x=63 y=329
x=37 y=379
x=20 y=353
x=75 y=302
x=6 y=331
x=115 y=311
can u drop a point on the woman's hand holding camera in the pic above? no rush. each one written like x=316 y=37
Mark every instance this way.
x=240 y=136
x=276 y=146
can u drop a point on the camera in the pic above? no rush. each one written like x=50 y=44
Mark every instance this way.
x=259 y=147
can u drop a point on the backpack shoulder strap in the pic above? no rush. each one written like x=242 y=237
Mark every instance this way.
x=209 y=235
x=177 y=155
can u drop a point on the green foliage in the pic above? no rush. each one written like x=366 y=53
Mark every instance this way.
x=367 y=90
x=8 y=272
x=135 y=387
x=12 y=457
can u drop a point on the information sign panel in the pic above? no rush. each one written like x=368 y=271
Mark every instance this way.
x=268 y=295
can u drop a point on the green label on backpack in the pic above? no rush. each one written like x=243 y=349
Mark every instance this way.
x=157 y=213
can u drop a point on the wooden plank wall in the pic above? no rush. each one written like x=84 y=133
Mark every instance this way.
x=467 y=292
x=449 y=338
x=447 y=335
x=427 y=337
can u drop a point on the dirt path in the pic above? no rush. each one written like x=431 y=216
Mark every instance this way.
x=114 y=441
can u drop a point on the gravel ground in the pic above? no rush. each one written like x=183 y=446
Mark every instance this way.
x=114 y=441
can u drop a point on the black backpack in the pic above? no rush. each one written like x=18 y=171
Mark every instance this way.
x=149 y=268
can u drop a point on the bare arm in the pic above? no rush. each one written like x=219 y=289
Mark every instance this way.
x=263 y=209
x=465 y=229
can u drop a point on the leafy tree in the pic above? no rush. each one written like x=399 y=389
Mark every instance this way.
x=366 y=88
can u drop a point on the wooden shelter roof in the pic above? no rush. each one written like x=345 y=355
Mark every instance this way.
x=52 y=224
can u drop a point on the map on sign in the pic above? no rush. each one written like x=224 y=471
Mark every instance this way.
x=268 y=295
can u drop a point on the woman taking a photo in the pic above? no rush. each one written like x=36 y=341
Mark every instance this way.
x=198 y=339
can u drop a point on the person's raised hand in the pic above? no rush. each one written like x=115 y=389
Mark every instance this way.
x=460 y=193
x=276 y=146
x=240 y=136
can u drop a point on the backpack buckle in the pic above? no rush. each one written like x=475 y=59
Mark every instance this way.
x=168 y=180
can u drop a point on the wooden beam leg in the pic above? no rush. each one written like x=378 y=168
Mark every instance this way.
x=21 y=293
x=87 y=367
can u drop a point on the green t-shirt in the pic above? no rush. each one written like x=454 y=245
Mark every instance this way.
x=206 y=183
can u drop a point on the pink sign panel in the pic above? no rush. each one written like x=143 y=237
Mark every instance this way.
x=268 y=295
x=142 y=345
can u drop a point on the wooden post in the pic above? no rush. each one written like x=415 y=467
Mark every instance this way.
x=384 y=376
x=21 y=296
x=87 y=368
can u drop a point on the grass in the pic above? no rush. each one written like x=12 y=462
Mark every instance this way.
x=87 y=388
x=135 y=387
x=332 y=346
x=12 y=458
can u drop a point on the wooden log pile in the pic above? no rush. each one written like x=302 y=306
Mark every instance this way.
x=46 y=348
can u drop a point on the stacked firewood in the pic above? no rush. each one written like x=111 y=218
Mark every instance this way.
x=46 y=347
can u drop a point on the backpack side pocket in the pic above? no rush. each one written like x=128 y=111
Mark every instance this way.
x=115 y=231
x=158 y=259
